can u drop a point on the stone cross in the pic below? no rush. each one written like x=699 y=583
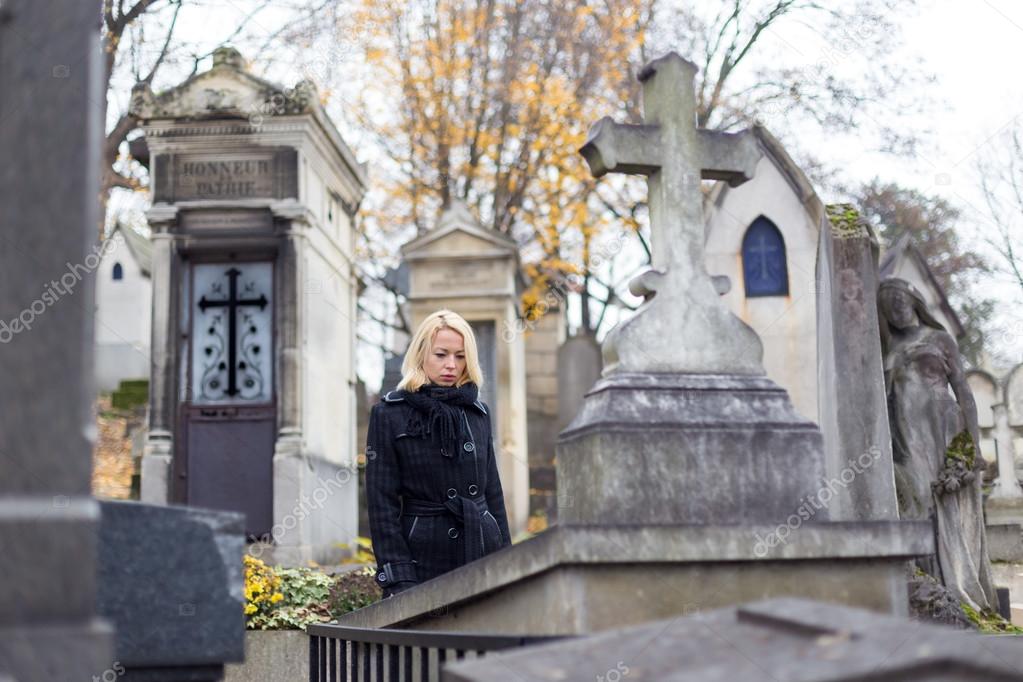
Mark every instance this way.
x=685 y=328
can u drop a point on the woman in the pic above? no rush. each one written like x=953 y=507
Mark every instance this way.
x=435 y=499
x=934 y=440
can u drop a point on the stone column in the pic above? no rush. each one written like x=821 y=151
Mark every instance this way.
x=158 y=452
x=49 y=188
x=290 y=537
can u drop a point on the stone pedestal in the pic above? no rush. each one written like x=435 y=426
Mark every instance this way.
x=687 y=448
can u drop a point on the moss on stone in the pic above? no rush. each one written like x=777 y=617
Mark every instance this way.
x=989 y=622
x=962 y=449
x=845 y=221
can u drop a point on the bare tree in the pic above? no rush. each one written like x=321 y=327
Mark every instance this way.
x=840 y=75
x=142 y=43
x=1000 y=176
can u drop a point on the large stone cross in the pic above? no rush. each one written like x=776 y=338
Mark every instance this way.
x=685 y=327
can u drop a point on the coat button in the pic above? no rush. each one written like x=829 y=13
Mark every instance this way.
x=473 y=489
x=452 y=493
x=469 y=447
x=452 y=533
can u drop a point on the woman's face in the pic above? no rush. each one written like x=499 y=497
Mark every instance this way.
x=897 y=307
x=445 y=361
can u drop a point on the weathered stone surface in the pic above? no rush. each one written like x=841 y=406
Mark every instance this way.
x=687 y=448
x=853 y=412
x=781 y=639
x=170 y=579
x=576 y=579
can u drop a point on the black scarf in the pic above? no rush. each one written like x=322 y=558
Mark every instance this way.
x=439 y=405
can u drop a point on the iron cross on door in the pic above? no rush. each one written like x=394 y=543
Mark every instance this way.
x=232 y=303
x=230 y=407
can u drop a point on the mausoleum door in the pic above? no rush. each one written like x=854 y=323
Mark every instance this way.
x=228 y=409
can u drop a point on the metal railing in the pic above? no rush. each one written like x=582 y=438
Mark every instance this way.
x=345 y=654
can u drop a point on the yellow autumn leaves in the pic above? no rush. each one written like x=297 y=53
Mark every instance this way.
x=489 y=102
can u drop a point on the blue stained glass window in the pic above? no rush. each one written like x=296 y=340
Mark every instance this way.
x=763 y=260
x=118 y=272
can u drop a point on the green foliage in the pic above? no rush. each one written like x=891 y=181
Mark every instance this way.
x=302 y=595
x=352 y=591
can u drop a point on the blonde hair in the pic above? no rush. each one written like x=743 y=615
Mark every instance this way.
x=413 y=377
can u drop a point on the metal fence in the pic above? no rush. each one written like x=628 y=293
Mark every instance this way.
x=346 y=654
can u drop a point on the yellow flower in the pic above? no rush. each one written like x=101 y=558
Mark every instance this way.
x=276 y=598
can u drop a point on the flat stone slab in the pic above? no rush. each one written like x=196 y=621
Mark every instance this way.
x=569 y=562
x=778 y=640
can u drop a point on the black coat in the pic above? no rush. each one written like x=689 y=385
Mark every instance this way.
x=424 y=506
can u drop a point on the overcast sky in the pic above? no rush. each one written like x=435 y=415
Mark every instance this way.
x=971 y=47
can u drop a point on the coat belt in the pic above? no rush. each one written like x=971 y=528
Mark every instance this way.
x=467 y=510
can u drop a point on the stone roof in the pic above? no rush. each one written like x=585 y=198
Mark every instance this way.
x=140 y=247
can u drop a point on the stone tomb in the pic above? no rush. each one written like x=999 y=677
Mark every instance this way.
x=474 y=271
x=686 y=466
x=252 y=392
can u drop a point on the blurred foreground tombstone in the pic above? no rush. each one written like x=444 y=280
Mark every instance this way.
x=168 y=579
x=50 y=128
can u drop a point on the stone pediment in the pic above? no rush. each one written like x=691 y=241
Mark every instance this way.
x=458 y=233
x=227 y=90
